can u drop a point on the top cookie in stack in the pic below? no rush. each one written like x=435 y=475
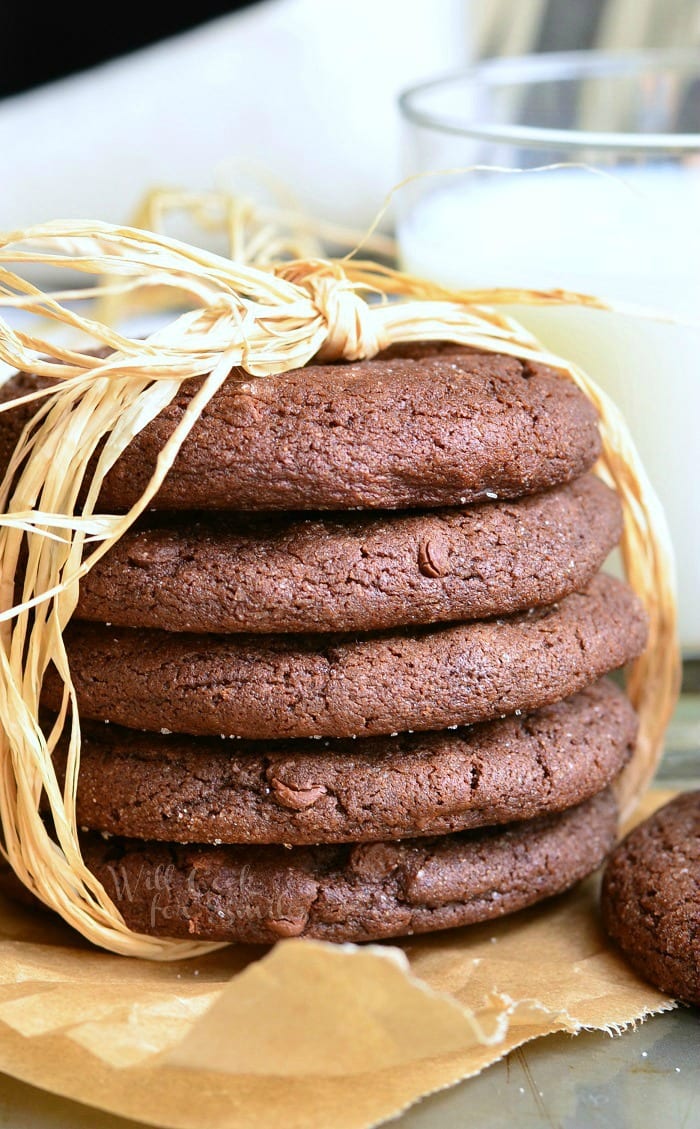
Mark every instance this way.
x=456 y=627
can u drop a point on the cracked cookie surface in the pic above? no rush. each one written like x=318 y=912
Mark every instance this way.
x=204 y=790
x=343 y=686
x=354 y=572
x=350 y=892
x=419 y=426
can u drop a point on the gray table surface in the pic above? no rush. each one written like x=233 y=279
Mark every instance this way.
x=649 y=1077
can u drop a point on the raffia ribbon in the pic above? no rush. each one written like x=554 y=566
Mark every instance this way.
x=263 y=321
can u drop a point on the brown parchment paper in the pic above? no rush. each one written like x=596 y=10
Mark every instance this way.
x=306 y=1034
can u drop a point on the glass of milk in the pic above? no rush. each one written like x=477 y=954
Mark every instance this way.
x=618 y=217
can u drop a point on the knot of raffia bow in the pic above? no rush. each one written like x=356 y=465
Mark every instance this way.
x=352 y=329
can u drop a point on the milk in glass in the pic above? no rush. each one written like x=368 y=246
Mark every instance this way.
x=632 y=235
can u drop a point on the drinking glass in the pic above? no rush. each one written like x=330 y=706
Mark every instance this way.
x=606 y=200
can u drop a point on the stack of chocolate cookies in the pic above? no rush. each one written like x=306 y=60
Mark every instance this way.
x=352 y=663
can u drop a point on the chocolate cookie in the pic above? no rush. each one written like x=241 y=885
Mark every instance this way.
x=339 y=686
x=204 y=790
x=418 y=427
x=651 y=898
x=355 y=572
x=352 y=892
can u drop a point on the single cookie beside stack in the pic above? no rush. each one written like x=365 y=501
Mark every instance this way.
x=650 y=898
x=353 y=662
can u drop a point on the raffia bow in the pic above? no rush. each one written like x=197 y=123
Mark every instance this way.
x=232 y=314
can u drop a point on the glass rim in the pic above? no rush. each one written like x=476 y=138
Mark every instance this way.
x=548 y=67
